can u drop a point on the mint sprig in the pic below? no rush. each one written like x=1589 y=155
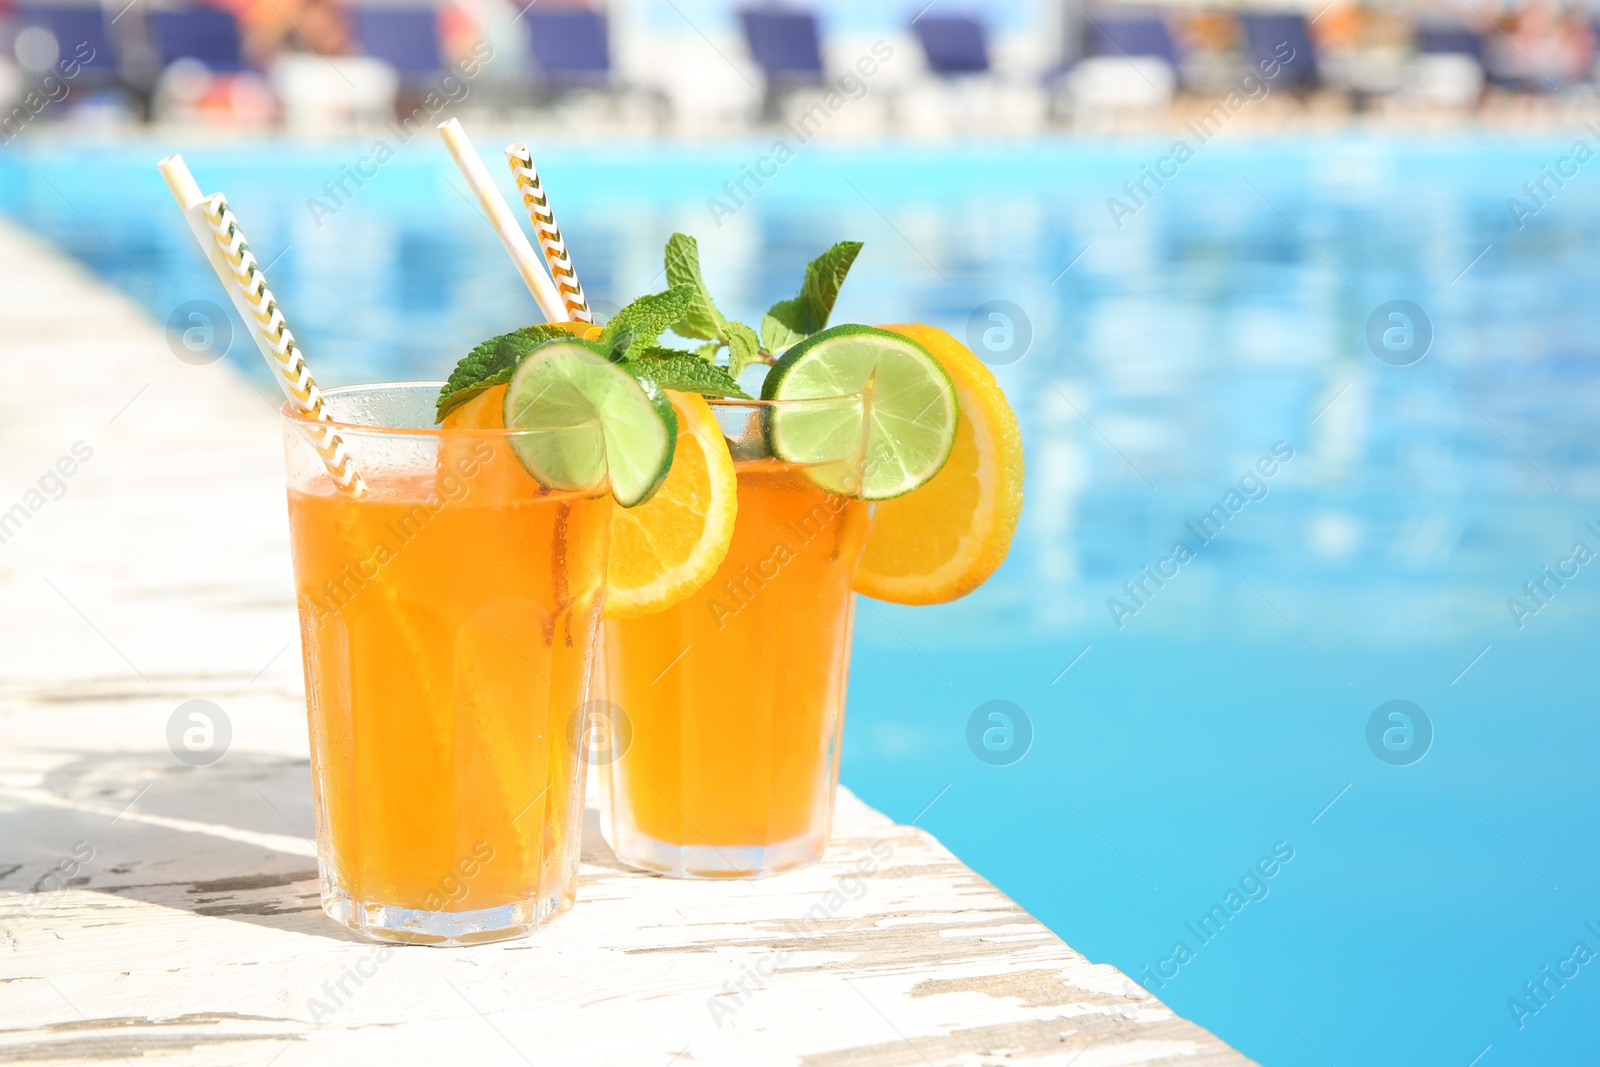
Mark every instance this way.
x=743 y=348
x=491 y=363
x=786 y=323
x=640 y=325
x=633 y=336
x=789 y=322
x=685 y=372
x=701 y=319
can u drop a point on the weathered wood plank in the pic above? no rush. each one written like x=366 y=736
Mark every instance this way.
x=154 y=910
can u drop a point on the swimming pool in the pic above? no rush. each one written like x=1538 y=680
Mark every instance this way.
x=1220 y=720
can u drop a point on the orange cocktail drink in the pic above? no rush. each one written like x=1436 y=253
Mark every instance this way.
x=449 y=618
x=729 y=707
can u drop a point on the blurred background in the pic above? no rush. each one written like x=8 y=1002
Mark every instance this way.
x=1190 y=239
x=705 y=67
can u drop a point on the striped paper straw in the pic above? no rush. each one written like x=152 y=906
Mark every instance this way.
x=502 y=221
x=224 y=247
x=282 y=353
x=549 y=234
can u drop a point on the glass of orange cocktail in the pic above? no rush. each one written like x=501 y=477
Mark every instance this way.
x=728 y=707
x=453 y=555
x=449 y=616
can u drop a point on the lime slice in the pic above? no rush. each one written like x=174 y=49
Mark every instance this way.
x=911 y=411
x=588 y=417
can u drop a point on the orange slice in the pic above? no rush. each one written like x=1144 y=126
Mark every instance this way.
x=667 y=547
x=670 y=545
x=943 y=540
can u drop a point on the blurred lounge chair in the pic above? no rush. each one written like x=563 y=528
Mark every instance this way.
x=1206 y=42
x=203 y=77
x=1448 y=68
x=1269 y=37
x=1441 y=40
x=953 y=44
x=79 y=30
x=1132 y=35
x=1540 y=48
x=967 y=93
x=321 y=95
x=571 y=52
x=204 y=34
x=1130 y=66
x=406 y=38
x=571 y=48
x=786 y=46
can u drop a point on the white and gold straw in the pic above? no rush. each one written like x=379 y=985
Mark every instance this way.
x=503 y=222
x=223 y=243
x=545 y=228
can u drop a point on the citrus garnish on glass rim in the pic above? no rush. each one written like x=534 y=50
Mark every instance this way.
x=666 y=548
x=943 y=540
x=597 y=420
x=911 y=409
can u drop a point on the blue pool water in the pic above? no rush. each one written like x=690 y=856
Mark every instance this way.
x=1175 y=746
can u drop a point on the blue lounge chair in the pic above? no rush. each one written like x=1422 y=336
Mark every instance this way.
x=1448 y=68
x=77 y=28
x=571 y=48
x=954 y=44
x=1123 y=60
x=1131 y=35
x=1265 y=34
x=1449 y=40
x=201 y=33
x=786 y=46
x=406 y=38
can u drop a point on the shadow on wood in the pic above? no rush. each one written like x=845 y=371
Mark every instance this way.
x=200 y=839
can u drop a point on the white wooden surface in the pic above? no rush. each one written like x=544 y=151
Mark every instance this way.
x=189 y=929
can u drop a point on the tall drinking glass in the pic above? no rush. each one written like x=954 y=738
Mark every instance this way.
x=449 y=619
x=729 y=708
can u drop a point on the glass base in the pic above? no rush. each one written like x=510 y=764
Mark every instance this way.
x=414 y=926
x=716 y=861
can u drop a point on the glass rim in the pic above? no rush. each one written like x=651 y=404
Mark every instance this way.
x=293 y=414
x=761 y=402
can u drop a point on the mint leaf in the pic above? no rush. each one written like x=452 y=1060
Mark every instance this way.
x=743 y=348
x=824 y=278
x=619 y=342
x=491 y=364
x=701 y=319
x=685 y=372
x=781 y=326
x=789 y=321
x=647 y=318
